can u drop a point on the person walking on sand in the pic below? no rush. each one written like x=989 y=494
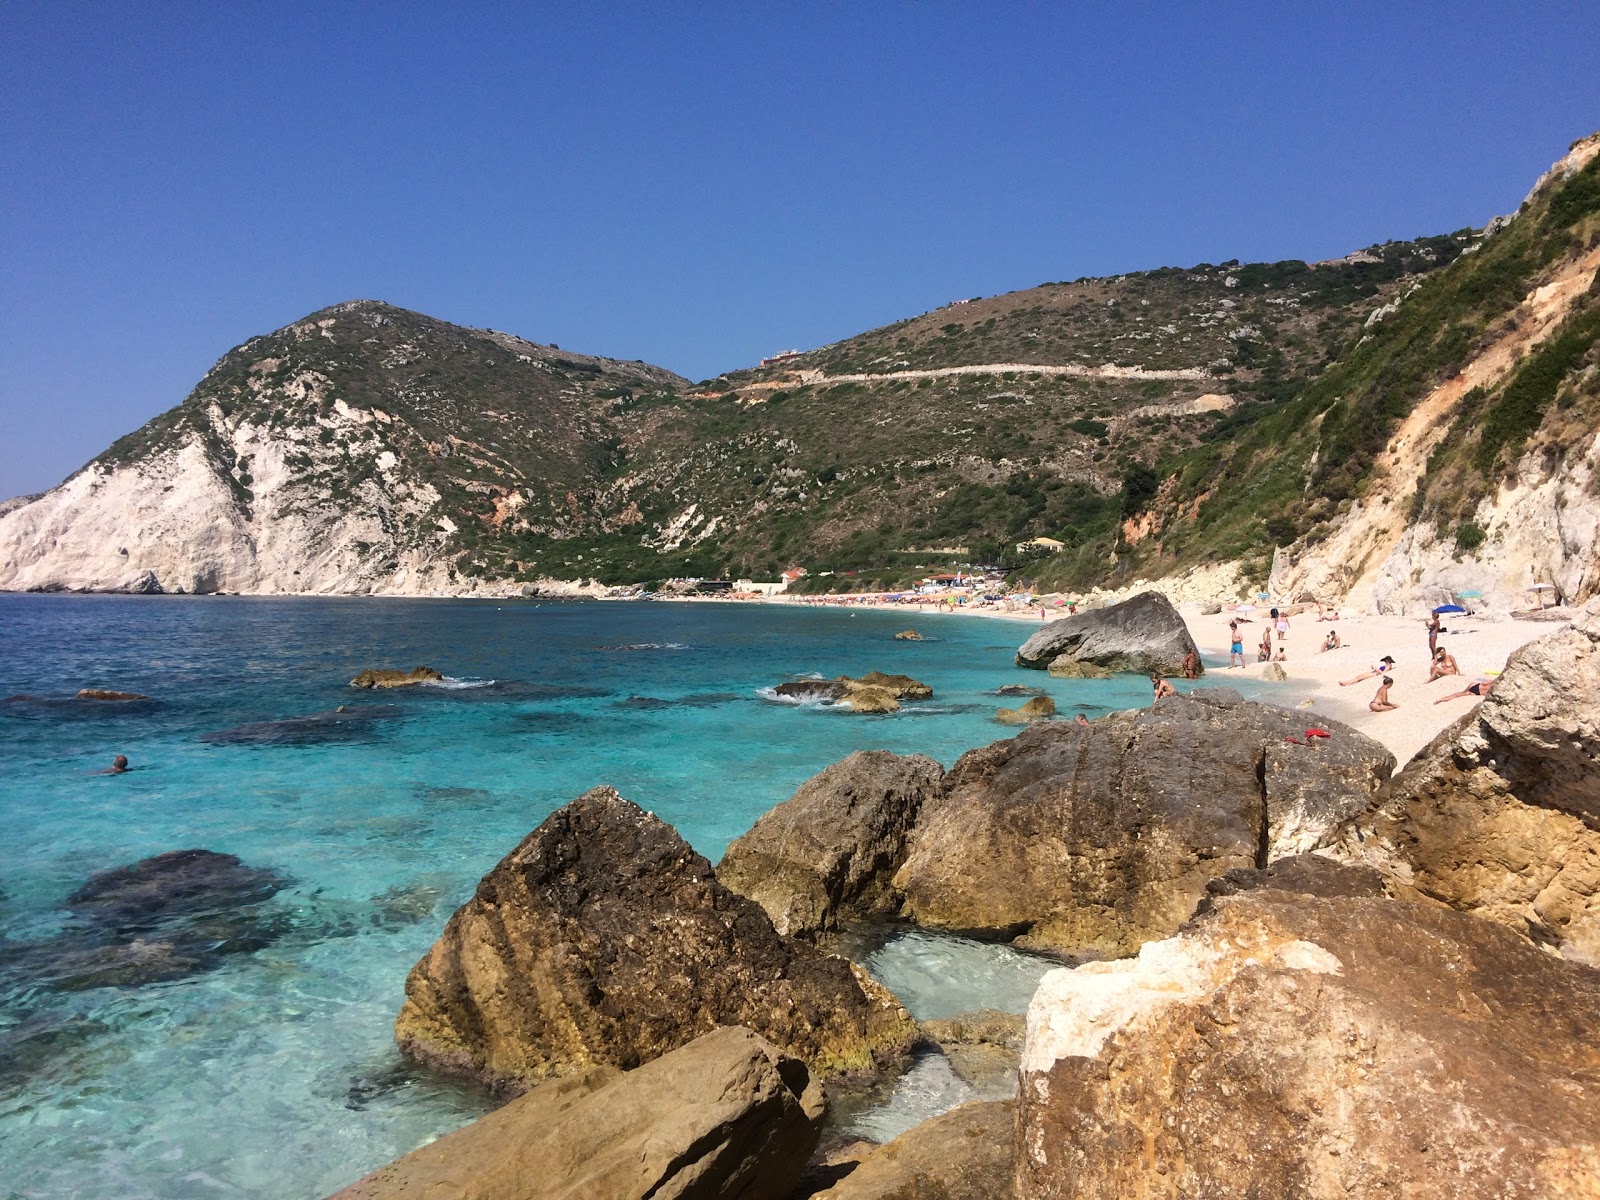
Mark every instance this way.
x=1385 y=665
x=1281 y=624
x=1235 y=646
x=1162 y=688
x=1381 y=702
x=1479 y=689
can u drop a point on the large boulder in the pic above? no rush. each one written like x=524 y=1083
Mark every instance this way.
x=604 y=938
x=828 y=852
x=728 y=1115
x=1500 y=815
x=381 y=677
x=1092 y=839
x=1142 y=634
x=1296 y=1044
x=964 y=1154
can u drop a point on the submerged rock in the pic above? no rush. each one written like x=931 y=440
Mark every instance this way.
x=727 y=1115
x=908 y=635
x=1291 y=1044
x=378 y=677
x=1500 y=814
x=1092 y=839
x=338 y=725
x=103 y=694
x=158 y=919
x=828 y=852
x=1143 y=634
x=604 y=938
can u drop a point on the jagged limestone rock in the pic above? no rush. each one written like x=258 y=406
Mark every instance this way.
x=1037 y=709
x=727 y=1116
x=1296 y=1044
x=1094 y=839
x=1500 y=814
x=828 y=852
x=604 y=938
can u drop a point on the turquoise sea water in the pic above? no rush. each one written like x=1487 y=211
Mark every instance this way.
x=273 y=1074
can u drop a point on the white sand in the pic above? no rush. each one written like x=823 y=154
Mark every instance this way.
x=1480 y=645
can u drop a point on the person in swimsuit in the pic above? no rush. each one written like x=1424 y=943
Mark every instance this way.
x=1162 y=688
x=1480 y=689
x=119 y=765
x=1444 y=663
x=1385 y=665
x=1332 y=641
x=1381 y=702
x=1235 y=644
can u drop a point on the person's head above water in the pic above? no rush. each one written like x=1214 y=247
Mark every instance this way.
x=119 y=764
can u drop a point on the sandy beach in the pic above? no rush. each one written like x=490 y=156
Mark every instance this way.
x=1480 y=645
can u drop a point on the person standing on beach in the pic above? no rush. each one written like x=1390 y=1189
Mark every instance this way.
x=1435 y=628
x=1282 y=623
x=1235 y=645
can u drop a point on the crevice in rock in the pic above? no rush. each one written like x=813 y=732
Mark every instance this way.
x=1263 y=834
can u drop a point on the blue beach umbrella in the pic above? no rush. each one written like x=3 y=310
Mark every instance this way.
x=1448 y=608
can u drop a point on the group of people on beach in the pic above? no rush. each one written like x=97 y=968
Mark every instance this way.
x=1440 y=664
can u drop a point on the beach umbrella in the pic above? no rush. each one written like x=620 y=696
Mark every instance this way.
x=1448 y=608
x=1244 y=608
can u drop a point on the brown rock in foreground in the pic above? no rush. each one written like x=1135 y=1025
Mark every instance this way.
x=1295 y=1045
x=828 y=853
x=728 y=1115
x=1500 y=815
x=377 y=677
x=604 y=938
x=1093 y=839
x=964 y=1154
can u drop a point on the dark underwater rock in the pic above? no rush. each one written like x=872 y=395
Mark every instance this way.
x=339 y=725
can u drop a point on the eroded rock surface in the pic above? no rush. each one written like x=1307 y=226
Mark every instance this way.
x=1144 y=633
x=965 y=1154
x=727 y=1116
x=604 y=938
x=1290 y=1044
x=874 y=692
x=1038 y=709
x=1500 y=815
x=1090 y=840
x=379 y=677
x=828 y=853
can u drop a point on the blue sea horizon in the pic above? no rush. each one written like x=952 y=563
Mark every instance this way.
x=273 y=1072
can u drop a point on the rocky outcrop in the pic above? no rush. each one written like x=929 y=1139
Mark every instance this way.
x=908 y=635
x=1092 y=839
x=379 y=677
x=965 y=1154
x=604 y=938
x=727 y=1116
x=1037 y=709
x=104 y=694
x=1144 y=634
x=874 y=692
x=1500 y=815
x=1291 y=1044
x=828 y=852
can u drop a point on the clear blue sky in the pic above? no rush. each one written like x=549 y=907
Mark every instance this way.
x=700 y=184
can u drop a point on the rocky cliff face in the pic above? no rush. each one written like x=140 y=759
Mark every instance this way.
x=364 y=449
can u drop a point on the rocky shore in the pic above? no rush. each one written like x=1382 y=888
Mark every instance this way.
x=1286 y=971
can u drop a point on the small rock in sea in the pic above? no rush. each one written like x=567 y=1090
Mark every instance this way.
x=909 y=635
x=1037 y=709
x=103 y=694
x=377 y=677
x=1018 y=689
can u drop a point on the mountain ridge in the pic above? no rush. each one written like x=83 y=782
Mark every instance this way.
x=1157 y=423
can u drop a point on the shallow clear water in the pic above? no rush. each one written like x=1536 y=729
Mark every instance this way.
x=274 y=1074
